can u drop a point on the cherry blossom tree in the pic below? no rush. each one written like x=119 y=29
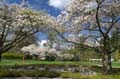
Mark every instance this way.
x=41 y=51
x=91 y=24
x=17 y=22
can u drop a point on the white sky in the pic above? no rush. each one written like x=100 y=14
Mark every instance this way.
x=58 y=3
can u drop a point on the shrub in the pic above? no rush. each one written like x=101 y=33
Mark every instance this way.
x=28 y=73
x=28 y=57
x=8 y=73
x=12 y=55
x=51 y=56
x=117 y=55
x=67 y=57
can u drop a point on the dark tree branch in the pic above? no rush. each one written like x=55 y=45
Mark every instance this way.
x=66 y=40
x=97 y=17
x=15 y=42
x=4 y=25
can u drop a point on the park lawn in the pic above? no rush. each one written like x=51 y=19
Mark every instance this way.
x=114 y=64
x=37 y=62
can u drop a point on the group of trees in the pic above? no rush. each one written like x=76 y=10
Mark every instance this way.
x=91 y=24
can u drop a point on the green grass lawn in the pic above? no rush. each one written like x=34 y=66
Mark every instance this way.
x=114 y=64
x=32 y=62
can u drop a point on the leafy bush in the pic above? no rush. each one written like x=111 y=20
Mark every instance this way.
x=12 y=55
x=50 y=74
x=28 y=57
x=51 y=55
x=75 y=76
x=67 y=57
x=8 y=73
x=29 y=73
x=117 y=55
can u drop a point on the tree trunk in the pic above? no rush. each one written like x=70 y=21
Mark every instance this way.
x=106 y=61
x=0 y=57
x=1 y=46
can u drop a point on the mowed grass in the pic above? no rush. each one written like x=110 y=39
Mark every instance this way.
x=37 y=62
x=32 y=62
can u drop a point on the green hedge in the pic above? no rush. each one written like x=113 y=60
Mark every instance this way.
x=9 y=55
